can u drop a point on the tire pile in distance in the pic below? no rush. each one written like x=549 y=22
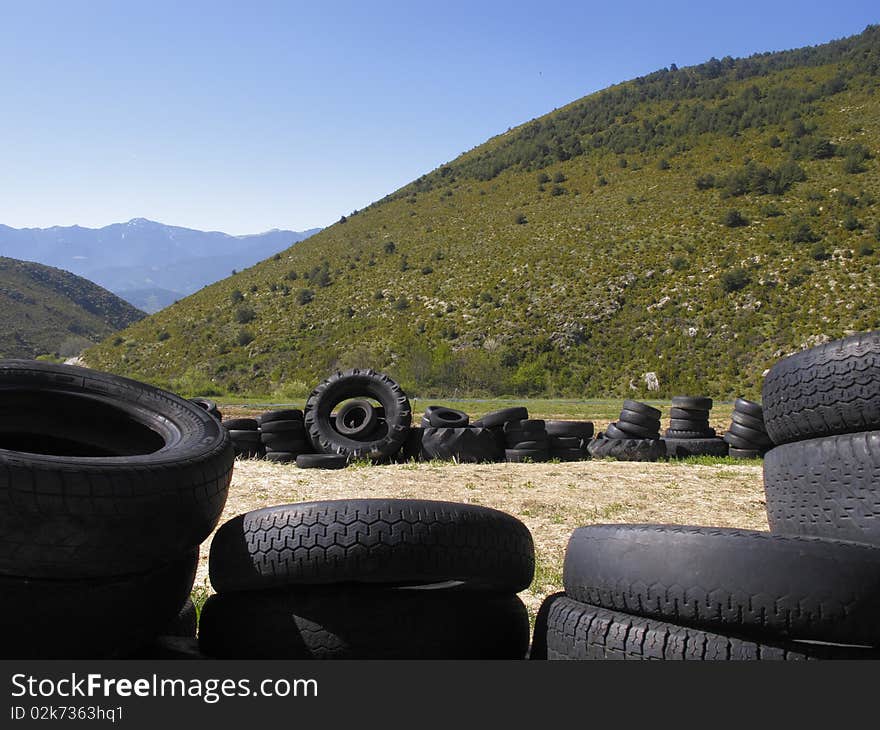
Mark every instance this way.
x=635 y=436
x=689 y=433
x=369 y=579
x=807 y=589
x=104 y=506
x=747 y=436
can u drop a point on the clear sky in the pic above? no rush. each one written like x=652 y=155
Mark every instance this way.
x=244 y=116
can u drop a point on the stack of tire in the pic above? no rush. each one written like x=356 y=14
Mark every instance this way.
x=359 y=429
x=283 y=435
x=822 y=410
x=635 y=436
x=747 y=437
x=526 y=440
x=569 y=439
x=689 y=433
x=245 y=435
x=104 y=505
x=448 y=435
x=677 y=592
x=369 y=579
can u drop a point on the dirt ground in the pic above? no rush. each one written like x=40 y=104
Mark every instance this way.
x=551 y=499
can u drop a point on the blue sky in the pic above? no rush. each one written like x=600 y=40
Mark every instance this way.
x=247 y=116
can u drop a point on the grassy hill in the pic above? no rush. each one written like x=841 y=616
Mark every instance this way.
x=47 y=311
x=695 y=223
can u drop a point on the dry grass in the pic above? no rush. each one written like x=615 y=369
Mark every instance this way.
x=552 y=499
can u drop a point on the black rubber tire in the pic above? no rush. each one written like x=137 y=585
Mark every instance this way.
x=513 y=438
x=639 y=419
x=627 y=449
x=288 y=414
x=634 y=431
x=689 y=414
x=566 y=442
x=745 y=453
x=520 y=456
x=826 y=486
x=322 y=461
x=91 y=618
x=443 y=417
x=464 y=445
x=496 y=419
x=282 y=457
x=643 y=408
x=386 y=541
x=826 y=390
x=209 y=405
x=364 y=623
x=357 y=419
x=353 y=384
x=749 y=408
x=682 y=448
x=732 y=581
x=746 y=420
x=185 y=623
x=537 y=445
x=286 y=442
x=570 y=454
x=613 y=432
x=157 y=488
x=695 y=403
x=245 y=437
x=738 y=442
x=286 y=427
x=759 y=438
x=708 y=433
x=241 y=424
x=579 y=631
x=530 y=425
x=412 y=446
x=682 y=424
x=580 y=429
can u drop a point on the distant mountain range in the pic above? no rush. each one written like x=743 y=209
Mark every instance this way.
x=47 y=311
x=148 y=264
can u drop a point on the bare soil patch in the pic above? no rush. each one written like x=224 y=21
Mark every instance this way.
x=551 y=499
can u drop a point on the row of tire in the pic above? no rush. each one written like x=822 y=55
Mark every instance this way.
x=808 y=588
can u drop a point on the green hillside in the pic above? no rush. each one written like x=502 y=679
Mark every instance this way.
x=47 y=311
x=695 y=223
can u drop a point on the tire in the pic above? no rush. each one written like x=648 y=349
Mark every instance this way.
x=283 y=442
x=245 y=437
x=518 y=456
x=558 y=443
x=322 y=461
x=627 y=449
x=613 y=432
x=209 y=405
x=745 y=453
x=185 y=623
x=92 y=618
x=361 y=623
x=731 y=581
x=385 y=541
x=286 y=427
x=357 y=419
x=643 y=408
x=696 y=403
x=512 y=438
x=579 y=631
x=496 y=419
x=682 y=448
x=758 y=438
x=738 y=442
x=639 y=419
x=826 y=390
x=749 y=408
x=464 y=445
x=539 y=445
x=748 y=421
x=149 y=482
x=580 y=429
x=635 y=431
x=442 y=417
x=530 y=425
x=282 y=457
x=289 y=414
x=352 y=384
x=681 y=424
x=412 y=446
x=241 y=424
x=689 y=414
x=708 y=433
x=825 y=487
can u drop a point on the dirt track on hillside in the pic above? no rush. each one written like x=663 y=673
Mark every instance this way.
x=552 y=499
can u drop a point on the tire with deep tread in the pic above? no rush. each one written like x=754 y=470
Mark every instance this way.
x=464 y=445
x=352 y=384
x=825 y=486
x=826 y=390
x=730 y=581
x=363 y=623
x=627 y=449
x=682 y=448
x=671 y=433
x=579 y=631
x=385 y=541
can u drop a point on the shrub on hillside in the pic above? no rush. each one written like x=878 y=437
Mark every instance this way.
x=734 y=280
